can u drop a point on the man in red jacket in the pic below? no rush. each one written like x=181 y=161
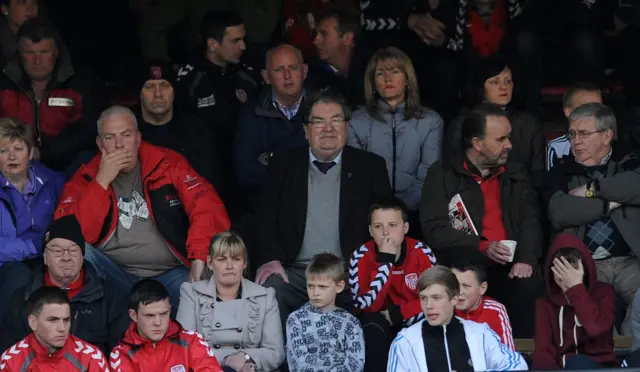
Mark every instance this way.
x=43 y=88
x=383 y=275
x=154 y=342
x=574 y=325
x=50 y=347
x=144 y=209
x=474 y=305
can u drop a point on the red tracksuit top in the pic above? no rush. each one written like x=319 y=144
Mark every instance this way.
x=495 y=315
x=377 y=285
x=29 y=355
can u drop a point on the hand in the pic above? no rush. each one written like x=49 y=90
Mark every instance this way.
x=111 y=165
x=579 y=191
x=567 y=276
x=388 y=245
x=521 y=270
x=499 y=253
x=197 y=266
x=248 y=367
x=433 y=30
x=235 y=361
x=387 y=316
x=264 y=158
x=268 y=269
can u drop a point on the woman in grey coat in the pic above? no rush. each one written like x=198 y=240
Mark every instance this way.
x=395 y=126
x=239 y=319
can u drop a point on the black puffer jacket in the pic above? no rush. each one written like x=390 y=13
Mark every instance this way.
x=98 y=315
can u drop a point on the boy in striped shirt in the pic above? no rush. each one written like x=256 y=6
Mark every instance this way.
x=475 y=306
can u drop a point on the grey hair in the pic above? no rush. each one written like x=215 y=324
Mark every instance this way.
x=604 y=117
x=116 y=110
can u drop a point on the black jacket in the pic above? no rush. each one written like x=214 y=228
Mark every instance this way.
x=98 y=315
x=520 y=211
x=283 y=210
x=527 y=139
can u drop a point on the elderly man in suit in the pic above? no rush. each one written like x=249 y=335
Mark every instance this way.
x=315 y=200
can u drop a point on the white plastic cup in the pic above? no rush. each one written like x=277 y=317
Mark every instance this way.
x=511 y=244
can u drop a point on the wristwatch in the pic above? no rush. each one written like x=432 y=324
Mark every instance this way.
x=590 y=192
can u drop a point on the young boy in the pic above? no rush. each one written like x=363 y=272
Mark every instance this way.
x=443 y=342
x=383 y=275
x=474 y=305
x=575 y=318
x=321 y=336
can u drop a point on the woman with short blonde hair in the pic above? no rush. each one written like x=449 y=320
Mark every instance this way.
x=397 y=127
x=238 y=318
x=30 y=193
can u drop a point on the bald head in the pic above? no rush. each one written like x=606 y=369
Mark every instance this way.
x=285 y=72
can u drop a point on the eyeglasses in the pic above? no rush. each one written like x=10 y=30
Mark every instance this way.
x=59 y=252
x=321 y=123
x=582 y=134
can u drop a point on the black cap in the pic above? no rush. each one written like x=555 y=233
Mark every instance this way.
x=158 y=70
x=67 y=228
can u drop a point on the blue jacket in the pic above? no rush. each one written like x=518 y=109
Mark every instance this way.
x=262 y=128
x=22 y=230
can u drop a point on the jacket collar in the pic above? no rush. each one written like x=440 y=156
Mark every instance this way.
x=92 y=288
x=571 y=166
x=512 y=170
x=133 y=338
x=249 y=288
x=265 y=105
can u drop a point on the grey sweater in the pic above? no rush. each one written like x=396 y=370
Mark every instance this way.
x=417 y=146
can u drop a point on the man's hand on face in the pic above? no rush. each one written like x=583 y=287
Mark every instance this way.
x=567 y=276
x=111 y=165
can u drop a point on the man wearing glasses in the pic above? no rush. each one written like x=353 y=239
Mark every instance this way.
x=316 y=199
x=98 y=315
x=594 y=194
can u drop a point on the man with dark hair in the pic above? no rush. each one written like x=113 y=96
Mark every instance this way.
x=155 y=342
x=340 y=63
x=216 y=87
x=479 y=201
x=42 y=87
x=99 y=313
x=50 y=347
x=320 y=193
x=577 y=95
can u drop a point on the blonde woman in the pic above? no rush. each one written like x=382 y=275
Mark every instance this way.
x=238 y=318
x=395 y=126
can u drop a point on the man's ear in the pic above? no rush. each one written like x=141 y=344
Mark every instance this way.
x=212 y=44
x=133 y=315
x=483 y=288
x=265 y=77
x=349 y=39
x=305 y=71
x=33 y=322
x=340 y=286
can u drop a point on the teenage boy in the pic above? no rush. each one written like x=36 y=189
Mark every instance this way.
x=321 y=336
x=156 y=343
x=474 y=305
x=383 y=275
x=575 y=318
x=442 y=342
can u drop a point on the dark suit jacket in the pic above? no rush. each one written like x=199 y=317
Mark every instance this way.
x=282 y=214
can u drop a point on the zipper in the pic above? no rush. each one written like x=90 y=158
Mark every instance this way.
x=446 y=346
x=395 y=155
x=75 y=320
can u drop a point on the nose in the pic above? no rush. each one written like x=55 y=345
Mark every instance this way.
x=242 y=46
x=119 y=142
x=156 y=320
x=31 y=10
x=287 y=73
x=387 y=77
x=12 y=155
x=507 y=144
x=60 y=326
x=157 y=92
x=317 y=40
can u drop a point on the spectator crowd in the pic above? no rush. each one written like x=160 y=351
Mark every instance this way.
x=318 y=185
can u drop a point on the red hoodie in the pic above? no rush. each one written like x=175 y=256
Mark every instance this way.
x=581 y=322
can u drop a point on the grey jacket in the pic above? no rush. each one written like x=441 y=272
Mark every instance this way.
x=571 y=214
x=250 y=324
x=408 y=146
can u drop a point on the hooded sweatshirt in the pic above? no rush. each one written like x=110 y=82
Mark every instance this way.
x=580 y=321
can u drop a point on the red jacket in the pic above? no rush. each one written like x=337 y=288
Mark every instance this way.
x=581 y=322
x=65 y=120
x=495 y=315
x=29 y=355
x=183 y=205
x=179 y=351
x=378 y=283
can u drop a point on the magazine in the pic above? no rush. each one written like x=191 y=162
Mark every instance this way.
x=459 y=216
